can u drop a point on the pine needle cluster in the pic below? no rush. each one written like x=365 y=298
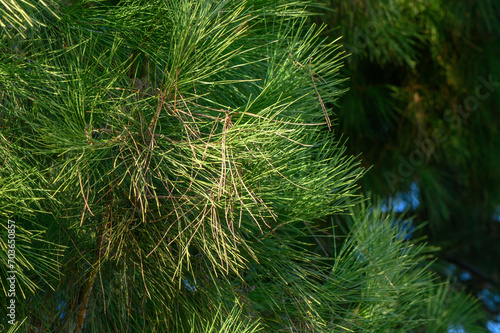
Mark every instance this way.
x=171 y=164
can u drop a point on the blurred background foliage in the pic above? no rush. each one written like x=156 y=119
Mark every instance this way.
x=423 y=110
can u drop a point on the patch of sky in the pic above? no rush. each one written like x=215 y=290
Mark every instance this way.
x=456 y=329
x=60 y=307
x=493 y=326
x=403 y=200
x=465 y=276
x=491 y=300
x=496 y=216
x=450 y=269
x=405 y=228
x=189 y=286
x=360 y=256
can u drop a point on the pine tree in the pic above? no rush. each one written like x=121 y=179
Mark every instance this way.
x=422 y=109
x=170 y=166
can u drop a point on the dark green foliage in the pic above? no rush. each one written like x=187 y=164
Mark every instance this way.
x=171 y=168
x=423 y=109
